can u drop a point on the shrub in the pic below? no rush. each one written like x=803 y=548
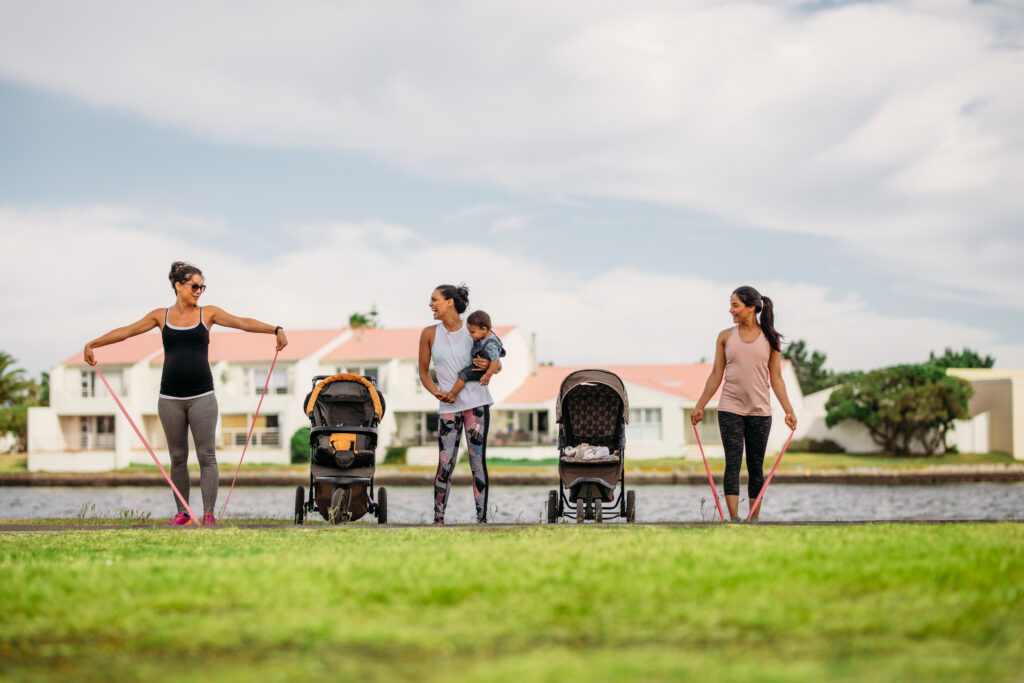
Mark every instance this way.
x=300 y=445
x=395 y=455
x=902 y=405
x=816 y=446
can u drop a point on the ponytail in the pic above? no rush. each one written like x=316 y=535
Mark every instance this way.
x=763 y=305
x=768 y=324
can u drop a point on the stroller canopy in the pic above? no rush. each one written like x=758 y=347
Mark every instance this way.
x=345 y=399
x=592 y=378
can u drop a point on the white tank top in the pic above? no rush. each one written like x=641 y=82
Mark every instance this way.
x=451 y=352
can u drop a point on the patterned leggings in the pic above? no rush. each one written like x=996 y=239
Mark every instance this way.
x=449 y=431
x=736 y=431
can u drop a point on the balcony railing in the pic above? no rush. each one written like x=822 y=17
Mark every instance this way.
x=89 y=441
x=235 y=438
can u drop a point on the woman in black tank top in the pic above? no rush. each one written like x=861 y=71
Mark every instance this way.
x=187 y=401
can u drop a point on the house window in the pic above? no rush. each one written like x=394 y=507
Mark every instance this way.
x=278 y=381
x=707 y=428
x=235 y=428
x=416 y=429
x=370 y=371
x=96 y=432
x=644 y=424
x=92 y=385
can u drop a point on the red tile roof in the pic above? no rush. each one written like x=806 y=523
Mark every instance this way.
x=373 y=344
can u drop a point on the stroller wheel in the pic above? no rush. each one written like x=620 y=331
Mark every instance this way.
x=382 y=505
x=631 y=506
x=338 y=511
x=300 y=504
x=552 y=506
x=581 y=510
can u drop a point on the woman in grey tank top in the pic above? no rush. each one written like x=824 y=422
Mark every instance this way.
x=186 y=398
x=449 y=346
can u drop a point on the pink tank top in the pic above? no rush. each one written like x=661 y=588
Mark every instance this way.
x=746 y=376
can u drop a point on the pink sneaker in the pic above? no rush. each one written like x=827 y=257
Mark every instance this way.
x=180 y=519
x=209 y=519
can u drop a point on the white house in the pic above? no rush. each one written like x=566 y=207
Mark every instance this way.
x=82 y=429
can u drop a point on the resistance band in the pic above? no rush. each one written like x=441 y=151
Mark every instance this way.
x=191 y=514
x=265 y=385
x=771 y=474
x=708 y=470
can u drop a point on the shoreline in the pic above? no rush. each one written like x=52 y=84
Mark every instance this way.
x=542 y=476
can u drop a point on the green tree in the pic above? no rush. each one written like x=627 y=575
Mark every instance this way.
x=810 y=370
x=17 y=394
x=369 y=319
x=299 y=445
x=960 y=359
x=902 y=405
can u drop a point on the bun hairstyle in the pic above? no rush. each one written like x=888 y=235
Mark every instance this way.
x=460 y=295
x=181 y=272
x=751 y=297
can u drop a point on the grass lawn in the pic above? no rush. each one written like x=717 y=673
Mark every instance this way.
x=721 y=602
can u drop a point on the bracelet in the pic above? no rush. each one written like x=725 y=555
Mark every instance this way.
x=277 y=329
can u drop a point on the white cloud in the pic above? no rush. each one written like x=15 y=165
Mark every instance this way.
x=79 y=272
x=895 y=127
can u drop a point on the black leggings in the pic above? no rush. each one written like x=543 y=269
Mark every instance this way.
x=736 y=430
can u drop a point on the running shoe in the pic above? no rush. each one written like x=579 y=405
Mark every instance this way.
x=180 y=519
x=209 y=519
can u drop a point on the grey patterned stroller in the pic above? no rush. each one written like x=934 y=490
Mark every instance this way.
x=344 y=412
x=592 y=408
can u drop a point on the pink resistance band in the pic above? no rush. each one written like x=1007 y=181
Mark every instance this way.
x=771 y=474
x=149 y=448
x=708 y=470
x=265 y=385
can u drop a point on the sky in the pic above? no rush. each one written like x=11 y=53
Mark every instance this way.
x=601 y=174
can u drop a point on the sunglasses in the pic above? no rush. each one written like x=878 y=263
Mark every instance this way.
x=195 y=287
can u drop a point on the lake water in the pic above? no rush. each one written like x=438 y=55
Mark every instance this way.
x=527 y=504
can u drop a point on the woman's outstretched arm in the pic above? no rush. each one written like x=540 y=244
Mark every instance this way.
x=148 y=322
x=218 y=316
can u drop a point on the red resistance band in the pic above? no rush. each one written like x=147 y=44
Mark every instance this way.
x=192 y=515
x=265 y=385
x=770 y=475
x=708 y=470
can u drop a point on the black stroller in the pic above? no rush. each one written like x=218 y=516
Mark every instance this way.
x=344 y=412
x=592 y=410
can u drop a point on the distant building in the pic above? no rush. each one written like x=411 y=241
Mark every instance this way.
x=82 y=429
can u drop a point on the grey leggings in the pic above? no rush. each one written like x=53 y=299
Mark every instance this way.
x=199 y=414
x=739 y=431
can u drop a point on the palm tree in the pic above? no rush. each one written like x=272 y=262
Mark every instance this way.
x=358 y=320
x=13 y=385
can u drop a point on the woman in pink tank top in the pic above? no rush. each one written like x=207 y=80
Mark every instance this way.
x=747 y=356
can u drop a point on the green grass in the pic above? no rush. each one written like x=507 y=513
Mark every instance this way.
x=885 y=602
x=13 y=462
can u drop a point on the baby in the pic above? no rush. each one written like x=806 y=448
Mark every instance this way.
x=485 y=345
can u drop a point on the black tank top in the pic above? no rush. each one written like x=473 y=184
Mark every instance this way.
x=186 y=361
